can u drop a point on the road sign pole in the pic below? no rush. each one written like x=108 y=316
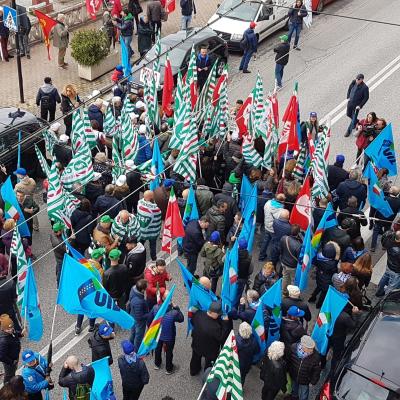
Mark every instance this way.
x=19 y=67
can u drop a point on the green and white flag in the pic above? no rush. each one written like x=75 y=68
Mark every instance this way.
x=181 y=129
x=206 y=95
x=257 y=110
x=78 y=131
x=50 y=139
x=156 y=65
x=118 y=168
x=250 y=154
x=42 y=161
x=186 y=162
x=17 y=250
x=299 y=169
x=227 y=370
x=129 y=138
x=109 y=123
x=89 y=133
x=319 y=166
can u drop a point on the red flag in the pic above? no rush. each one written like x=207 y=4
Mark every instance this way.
x=275 y=109
x=47 y=24
x=301 y=213
x=289 y=139
x=217 y=91
x=168 y=88
x=242 y=116
x=116 y=9
x=170 y=6
x=173 y=226
x=92 y=7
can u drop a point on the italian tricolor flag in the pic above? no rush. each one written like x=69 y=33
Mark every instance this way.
x=232 y=275
x=260 y=330
x=324 y=318
x=11 y=211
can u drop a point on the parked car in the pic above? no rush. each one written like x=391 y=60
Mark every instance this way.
x=318 y=5
x=230 y=25
x=179 y=56
x=369 y=368
x=12 y=121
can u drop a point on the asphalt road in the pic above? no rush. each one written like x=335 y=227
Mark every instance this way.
x=333 y=51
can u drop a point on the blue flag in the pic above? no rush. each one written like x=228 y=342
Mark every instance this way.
x=331 y=308
x=12 y=208
x=150 y=339
x=102 y=388
x=376 y=196
x=305 y=261
x=229 y=279
x=191 y=211
x=157 y=165
x=80 y=292
x=245 y=192
x=328 y=220
x=187 y=276
x=381 y=151
x=30 y=308
x=271 y=300
x=125 y=59
x=249 y=218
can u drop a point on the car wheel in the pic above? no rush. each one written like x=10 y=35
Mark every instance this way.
x=221 y=66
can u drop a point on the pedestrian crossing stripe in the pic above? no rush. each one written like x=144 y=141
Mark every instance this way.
x=10 y=18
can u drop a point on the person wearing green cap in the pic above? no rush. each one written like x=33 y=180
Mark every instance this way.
x=58 y=245
x=115 y=278
x=281 y=59
x=102 y=234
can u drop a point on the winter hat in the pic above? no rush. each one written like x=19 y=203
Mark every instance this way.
x=242 y=243
x=106 y=219
x=233 y=179
x=96 y=253
x=121 y=180
x=329 y=251
x=20 y=171
x=28 y=356
x=215 y=237
x=6 y=322
x=127 y=347
x=105 y=330
x=58 y=226
x=295 y=312
x=170 y=122
x=119 y=68
x=307 y=342
x=114 y=254
x=142 y=129
x=63 y=138
x=252 y=25
x=168 y=183
x=340 y=159
x=294 y=291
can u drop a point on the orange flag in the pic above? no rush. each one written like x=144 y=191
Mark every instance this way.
x=47 y=25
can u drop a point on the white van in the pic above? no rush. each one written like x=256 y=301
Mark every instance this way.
x=265 y=13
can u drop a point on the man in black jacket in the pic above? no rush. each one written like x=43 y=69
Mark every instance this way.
x=391 y=243
x=78 y=378
x=208 y=335
x=193 y=241
x=357 y=95
x=135 y=261
x=188 y=8
x=244 y=267
x=281 y=59
x=294 y=299
x=352 y=211
x=99 y=342
x=351 y=187
x=292 y=329
x=296 y=15
x=10 y=346
x=47 y=98
x=281 y=227
x=336 y=173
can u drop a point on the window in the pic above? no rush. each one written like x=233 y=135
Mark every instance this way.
x=266 y=11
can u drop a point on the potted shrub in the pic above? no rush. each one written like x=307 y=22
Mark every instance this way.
x=90 y=49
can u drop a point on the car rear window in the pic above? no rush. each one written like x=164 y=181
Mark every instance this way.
x=352 y=386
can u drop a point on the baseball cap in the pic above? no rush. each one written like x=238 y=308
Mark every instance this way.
x=168 y=183
x=313 y=114
x=127 y=347
x=142 y=129
x=106 y=219
x=28 y=356
x=295 y=312
x=340 y=158
x=215 y=237
x=58 y=226
x=252 y=24
x=121 y=180
x=105 y=330
x=242 y=243
x=215 y=307
x=114 y=254
x=20 y=171
x=96 y=253
x=284 y=38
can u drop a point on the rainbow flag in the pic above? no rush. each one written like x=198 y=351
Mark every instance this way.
x=328 y=220
x=152 y=335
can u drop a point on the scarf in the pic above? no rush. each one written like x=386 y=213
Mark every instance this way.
x=300 y=352
x=131 y=358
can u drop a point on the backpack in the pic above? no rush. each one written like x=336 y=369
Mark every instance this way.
x=243 y=43
x=45 y=100
x=82 y=391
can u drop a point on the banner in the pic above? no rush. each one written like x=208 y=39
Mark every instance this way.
x=47 y=24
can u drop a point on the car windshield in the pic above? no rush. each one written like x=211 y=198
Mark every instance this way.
x=355 y=387
x=246 y=11
x=176 y=55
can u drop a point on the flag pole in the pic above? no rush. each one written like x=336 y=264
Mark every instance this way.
x=53 y=323
x=220 y=146
x=202 y=390
x=284 y=162
x=198 y=159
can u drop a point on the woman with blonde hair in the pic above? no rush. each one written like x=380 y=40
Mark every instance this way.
x=273 y=371
x=265 y=278
x=69 y=101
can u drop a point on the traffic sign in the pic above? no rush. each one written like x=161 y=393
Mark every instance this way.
x=10 y=18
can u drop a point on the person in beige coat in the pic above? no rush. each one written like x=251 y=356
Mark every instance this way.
x=61 y=40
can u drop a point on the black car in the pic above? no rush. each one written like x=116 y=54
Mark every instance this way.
x=180 y=55
x=12 y=121
x=370 y=366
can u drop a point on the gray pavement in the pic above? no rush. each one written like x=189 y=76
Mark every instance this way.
x=333 y=52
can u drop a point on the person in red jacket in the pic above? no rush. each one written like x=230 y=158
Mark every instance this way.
x=156 y=275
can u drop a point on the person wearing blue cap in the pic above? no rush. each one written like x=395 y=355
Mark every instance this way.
x=35 y=375
x=292 y=327
x=99 y=342
x=213 y=252
x=311 y=128
x=133 y=370
x=336 y=173
x=244 y=267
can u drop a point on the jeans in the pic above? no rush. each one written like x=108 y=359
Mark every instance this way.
x=169 y=355
x=378 y=229
x=191 y=262
x=185 y=22
x=275 y=251
x=48 y=114
x=128 y=40
x=9 y=370
x=245 y=60
x=264 y=246
x=79 y=321
x=300 y=391
x=137 y=334
x=279 y=74
x=382 y=284
x=296 y=29
x=24 y=44
x=393 y=281
x=131 y=394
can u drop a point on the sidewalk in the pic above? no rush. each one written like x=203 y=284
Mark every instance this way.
x=38 y=67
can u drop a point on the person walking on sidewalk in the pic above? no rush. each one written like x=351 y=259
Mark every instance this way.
x=61 y=40
x=47 y=98
x=249 y=45
x=281 y=59
x=135 y=9
x=24 y=27
x=188 y=8
x=296 y=15
x=357 y=95
x=154 y=11
x=125 y=26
